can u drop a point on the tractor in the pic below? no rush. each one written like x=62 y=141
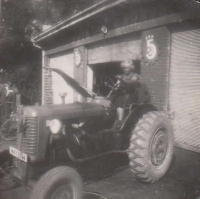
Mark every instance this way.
x=36 y=137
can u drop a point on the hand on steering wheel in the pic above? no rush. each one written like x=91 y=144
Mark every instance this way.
x=114 y=88
x=119 y=77
x=118 y=85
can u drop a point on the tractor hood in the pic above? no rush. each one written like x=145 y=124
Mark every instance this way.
x=65 y=111
x=73 y=83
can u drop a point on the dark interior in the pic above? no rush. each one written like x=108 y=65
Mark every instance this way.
x=106 y=72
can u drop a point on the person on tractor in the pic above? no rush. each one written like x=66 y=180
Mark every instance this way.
x=128 y=84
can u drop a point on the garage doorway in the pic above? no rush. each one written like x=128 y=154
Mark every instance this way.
x=106 y=72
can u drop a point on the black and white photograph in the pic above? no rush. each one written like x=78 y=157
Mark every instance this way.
x=99 y=99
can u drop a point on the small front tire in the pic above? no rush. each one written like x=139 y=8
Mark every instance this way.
x=59 y=183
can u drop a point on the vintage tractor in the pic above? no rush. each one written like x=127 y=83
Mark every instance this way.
x=78 y=132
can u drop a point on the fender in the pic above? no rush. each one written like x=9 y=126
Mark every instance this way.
x=136 y=114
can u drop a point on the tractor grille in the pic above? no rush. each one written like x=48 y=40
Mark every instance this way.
x=28 y=141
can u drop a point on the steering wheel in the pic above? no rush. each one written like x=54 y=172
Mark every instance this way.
x=114 y=88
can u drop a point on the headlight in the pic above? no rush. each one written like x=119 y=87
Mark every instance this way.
x=55 y=126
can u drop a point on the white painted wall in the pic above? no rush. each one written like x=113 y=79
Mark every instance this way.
x=89 y=78
x=66 y=64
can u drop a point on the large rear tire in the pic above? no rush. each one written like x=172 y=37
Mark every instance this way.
x=151 y=147
x=60 y=182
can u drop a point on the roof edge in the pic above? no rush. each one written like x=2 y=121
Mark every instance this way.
x=88 y=12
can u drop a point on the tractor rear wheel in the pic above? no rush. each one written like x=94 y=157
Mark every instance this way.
x=151 y=147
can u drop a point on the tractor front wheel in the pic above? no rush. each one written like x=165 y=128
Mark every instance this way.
x=59 y=183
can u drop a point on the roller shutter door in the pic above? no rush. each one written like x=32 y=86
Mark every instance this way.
x=47 y=95
x=184 y=89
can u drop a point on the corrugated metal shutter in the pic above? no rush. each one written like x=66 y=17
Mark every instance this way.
x=48 y=93
x=184 y=92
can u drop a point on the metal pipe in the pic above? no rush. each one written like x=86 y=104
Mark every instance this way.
x=93 y=157
x=63 y=95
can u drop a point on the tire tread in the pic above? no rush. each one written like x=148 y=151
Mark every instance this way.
x=137 y=149
x=40 y=188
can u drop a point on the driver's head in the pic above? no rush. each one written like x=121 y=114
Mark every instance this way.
x=127 y=66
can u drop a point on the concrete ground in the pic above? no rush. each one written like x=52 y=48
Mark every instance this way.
x=111 y=178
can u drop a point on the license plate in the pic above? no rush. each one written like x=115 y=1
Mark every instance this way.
x=18 y=154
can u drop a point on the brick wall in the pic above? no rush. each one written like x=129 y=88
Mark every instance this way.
x=155 y=70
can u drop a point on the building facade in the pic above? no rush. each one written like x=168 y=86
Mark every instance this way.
x=163 y=42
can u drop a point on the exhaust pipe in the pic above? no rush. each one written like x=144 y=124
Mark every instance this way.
x=63 y=95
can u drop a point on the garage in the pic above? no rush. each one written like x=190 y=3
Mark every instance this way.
x=93 y=56
x=78 y=134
